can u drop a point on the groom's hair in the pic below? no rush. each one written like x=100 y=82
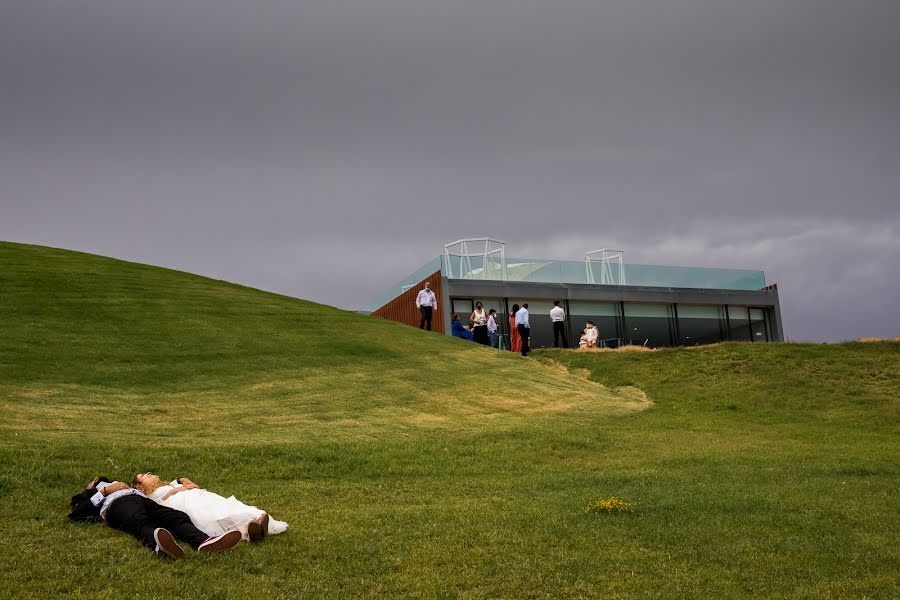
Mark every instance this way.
x=137 y=485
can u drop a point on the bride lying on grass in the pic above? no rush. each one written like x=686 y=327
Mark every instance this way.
x=210 y=512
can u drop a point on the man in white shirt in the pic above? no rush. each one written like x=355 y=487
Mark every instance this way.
x=492 y=328
x=558 y=317
x=523 y=327
x=426 y=302
x=156 y=526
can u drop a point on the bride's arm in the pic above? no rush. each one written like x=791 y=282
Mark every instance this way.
x=187 y=483
x=183 y=484
x=172 y=492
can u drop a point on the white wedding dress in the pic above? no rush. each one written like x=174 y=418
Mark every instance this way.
x=211 y=513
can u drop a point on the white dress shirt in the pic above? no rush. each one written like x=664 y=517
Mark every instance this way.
x=104 y=502
x=557 y=314
x=522 y=317
x=492 y=324
x=426 y=298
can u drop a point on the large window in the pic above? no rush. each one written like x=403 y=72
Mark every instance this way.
x=648 y=324
x=699 y=324
x=758 y=325
x=605 y=315
x=739 y=324
x=539 y=319
x=651 y=325
x=464 y=307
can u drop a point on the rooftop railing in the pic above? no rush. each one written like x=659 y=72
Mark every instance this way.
x=398 y=288
x=599 y=273
x=585 y=272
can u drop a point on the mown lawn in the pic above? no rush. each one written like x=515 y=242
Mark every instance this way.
x=410 y=464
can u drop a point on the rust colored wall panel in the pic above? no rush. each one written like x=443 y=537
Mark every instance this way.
x=403 y=308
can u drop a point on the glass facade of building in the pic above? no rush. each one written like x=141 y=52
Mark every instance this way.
x=539 y=318
x=648 y=305
x=606 y=316
x=647 y=324
x=759 y=328
x=739 y=324
x=463 y=306
x=700 y=324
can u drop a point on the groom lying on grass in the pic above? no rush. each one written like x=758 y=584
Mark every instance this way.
x=129 y=510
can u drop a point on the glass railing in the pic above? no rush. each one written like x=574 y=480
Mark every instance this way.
x=598 y=273
x=572 y=271
x=398 y=288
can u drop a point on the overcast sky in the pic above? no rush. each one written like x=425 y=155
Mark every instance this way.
x=326 y=149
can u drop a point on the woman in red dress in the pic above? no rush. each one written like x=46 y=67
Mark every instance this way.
x=515 y=341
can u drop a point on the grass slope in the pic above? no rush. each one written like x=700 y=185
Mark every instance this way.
x=411 y=464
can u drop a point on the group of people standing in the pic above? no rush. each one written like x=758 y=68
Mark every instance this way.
x=485 y=330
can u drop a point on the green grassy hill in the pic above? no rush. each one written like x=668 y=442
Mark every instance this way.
x=412 y=464
x=85 y=335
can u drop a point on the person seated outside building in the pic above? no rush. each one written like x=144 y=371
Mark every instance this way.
x=457 y=329
x=589 y=337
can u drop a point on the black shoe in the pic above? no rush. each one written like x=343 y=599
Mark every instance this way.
x=258 y=528
x=165 y=544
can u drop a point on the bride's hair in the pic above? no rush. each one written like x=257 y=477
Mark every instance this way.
x=146 y=489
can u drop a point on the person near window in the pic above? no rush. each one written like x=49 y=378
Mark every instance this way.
x=524 y=327
x=515 y=342
x=479 y=320
x=493 y=330
x=558 y=317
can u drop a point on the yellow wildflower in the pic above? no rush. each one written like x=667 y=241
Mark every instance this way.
x=609 y=505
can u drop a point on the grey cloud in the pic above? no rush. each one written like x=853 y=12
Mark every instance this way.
x=327 y=149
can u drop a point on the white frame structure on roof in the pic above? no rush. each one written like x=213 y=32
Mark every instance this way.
x=487 y=250
x=608 y=260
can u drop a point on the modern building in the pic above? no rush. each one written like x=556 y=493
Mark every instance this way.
x=649 y=305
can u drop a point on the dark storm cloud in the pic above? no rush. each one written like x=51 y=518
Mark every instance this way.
x=326 y=149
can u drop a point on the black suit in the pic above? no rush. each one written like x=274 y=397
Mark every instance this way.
x=559 y=329
x=523 y=334
x=138 y=516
